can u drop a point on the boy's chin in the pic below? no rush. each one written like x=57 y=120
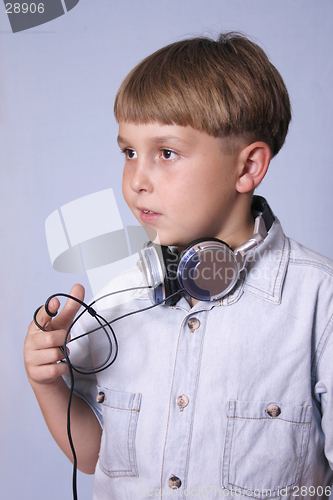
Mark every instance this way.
x=156 y=238
x=152 y=234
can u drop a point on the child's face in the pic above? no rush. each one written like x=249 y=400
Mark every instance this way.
x=178 y=181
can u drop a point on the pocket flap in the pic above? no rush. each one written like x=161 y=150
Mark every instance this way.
x=120 y=400
x=256 y=410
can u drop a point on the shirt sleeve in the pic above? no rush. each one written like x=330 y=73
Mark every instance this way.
x=324 y=390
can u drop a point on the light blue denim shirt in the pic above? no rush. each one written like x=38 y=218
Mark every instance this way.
x=232 y=398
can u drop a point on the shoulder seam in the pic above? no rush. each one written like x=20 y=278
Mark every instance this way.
x=312 y=263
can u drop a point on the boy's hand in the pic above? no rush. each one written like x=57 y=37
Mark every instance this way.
x=41 y=349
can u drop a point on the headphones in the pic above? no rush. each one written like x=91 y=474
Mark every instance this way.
x=208 y=269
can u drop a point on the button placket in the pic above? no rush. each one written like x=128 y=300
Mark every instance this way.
x=185 y=378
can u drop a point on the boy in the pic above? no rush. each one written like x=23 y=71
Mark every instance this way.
x=230 y=396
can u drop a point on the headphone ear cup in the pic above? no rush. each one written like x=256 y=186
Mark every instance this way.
x=171 y=283
x=207 y=269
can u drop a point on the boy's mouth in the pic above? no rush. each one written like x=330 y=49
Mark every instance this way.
x=147 y=215
x=146 y=211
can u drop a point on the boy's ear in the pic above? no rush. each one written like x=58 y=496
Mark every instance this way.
x=254 y=162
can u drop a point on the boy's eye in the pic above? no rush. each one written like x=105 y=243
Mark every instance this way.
x=130 y=153
x=167 y=154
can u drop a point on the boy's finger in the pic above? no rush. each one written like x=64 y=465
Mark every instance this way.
x=42 y=317
x=67 y=314
x=48 y=373
x=39 y=357
x=48 y=339
x=47 y=356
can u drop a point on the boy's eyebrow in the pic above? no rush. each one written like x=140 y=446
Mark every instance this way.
x=165 y=138
x=120 y=140
x=157 y=139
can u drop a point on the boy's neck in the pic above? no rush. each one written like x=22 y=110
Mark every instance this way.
x=241 y=234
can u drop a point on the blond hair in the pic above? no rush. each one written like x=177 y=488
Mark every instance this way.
x=226 y=88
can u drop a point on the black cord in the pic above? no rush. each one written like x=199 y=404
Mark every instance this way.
x=103 y=324
x=69 y=433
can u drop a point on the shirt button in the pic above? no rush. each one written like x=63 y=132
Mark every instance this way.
x=273 y=411
x=174 y=482
x=100 y=398
x=182 y=402
x=193 y=324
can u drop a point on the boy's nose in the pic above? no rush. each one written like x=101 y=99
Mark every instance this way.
x=141 y=179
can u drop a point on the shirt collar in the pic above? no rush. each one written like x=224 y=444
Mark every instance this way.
x=263 y=275
x=267 y=265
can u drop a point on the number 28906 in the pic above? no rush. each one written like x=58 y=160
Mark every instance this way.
x=305 y=491
x=16 y=8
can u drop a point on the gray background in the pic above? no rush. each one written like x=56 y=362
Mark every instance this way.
x=58 y=83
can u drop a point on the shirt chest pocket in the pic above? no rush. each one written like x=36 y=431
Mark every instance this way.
x=265 y=447
x=120 y=411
